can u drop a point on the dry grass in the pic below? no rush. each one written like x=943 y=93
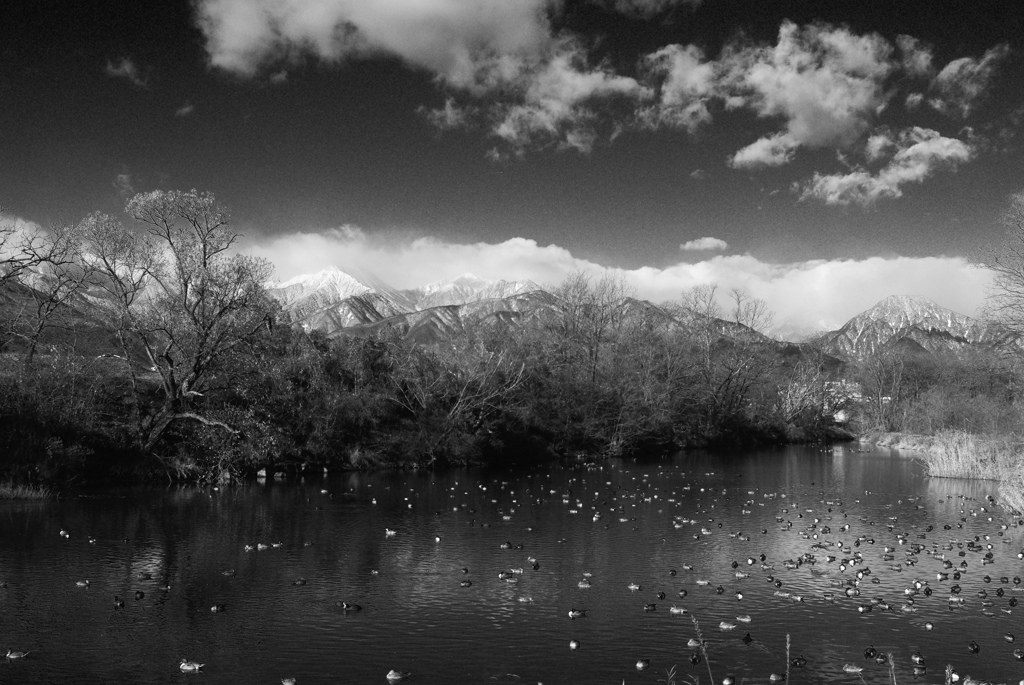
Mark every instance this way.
x=959 y=454
x=1011 y=492
x=10 y=490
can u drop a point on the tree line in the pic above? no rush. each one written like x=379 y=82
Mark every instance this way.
x=154 y=350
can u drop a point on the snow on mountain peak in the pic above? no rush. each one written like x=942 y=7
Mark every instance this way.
x=332 y=279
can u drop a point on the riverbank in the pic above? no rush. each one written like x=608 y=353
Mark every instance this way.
x=959 y=454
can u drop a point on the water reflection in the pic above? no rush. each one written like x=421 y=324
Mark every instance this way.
x=836 y=512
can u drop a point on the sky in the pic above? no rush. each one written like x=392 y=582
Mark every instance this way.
x=818 y=155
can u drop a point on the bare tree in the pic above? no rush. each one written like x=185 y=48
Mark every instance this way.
x=58 y=274
x=180 y=298
x=1006 y=262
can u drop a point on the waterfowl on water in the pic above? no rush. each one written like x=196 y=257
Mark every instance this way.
x=676 y=610
x=777 y=677
x=870 y=652
x=218 y=608
x=139 y=594
x=917 y=658
x=634 y=587
x=695 y=658
x=574 y=644
x=118 y=602
x=82 y=583
x=798 y=661
x=465 y=583
x=729 y=680
x=288 y=681
x=643 y=664
x=14 y=654
x=394 y=675
x=345 y=606
x=725 y=625
x=299 y=581
x=973 y=647
x=747 y=639
x=650 y=607
x=577 y=613
x=852 y=668
x=187 y=666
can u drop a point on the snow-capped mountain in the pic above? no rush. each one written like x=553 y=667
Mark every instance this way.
x=910 y=323
x=467 y=288
x=332 y=299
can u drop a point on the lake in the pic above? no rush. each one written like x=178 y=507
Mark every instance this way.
x=442 y=566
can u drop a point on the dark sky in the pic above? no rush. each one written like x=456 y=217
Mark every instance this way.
x=791 y=136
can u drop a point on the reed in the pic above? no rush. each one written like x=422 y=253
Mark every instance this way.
x=9 y=490
x=959 y=454
x=1011 y=492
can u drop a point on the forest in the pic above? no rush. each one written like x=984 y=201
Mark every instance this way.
x=153 y=352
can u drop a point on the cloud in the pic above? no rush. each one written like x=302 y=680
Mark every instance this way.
x=963 y=82
x=445 y=37
x=185 y=110
x=825 y=83
x=559 y=101
x=650 y=8
x=705 y=243
x=804 y=295
x=688 y=82
x=917 y=57
x=122 y=183
x=920 y=152
x=770 y=151
x=126 y=69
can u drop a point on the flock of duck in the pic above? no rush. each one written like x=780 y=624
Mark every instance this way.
x=831 y=559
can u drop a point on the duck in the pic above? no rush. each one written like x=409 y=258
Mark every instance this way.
x=14 y=654
x=730 y=679
x=118 y=602
x=218 y=608
x=577 y=613
x=145 y=575
x=852 y=668
x=288 y=681
x=650 y=607
x=299 y=581
x=1009 y=637
x=465 y=583
x=973 y=647
x=676 y=610
x=139 y=594
x=395 y=675
x=643 y=664
x=345 y=606
x=917 y=658
x=747 y=639
x=695 y=658
x=574 y=644
x=633 y=587
x=725 y=625
x=777 y=677
x=1018 y=654
x=798 y=661
x=187 y=666
x=82 y=583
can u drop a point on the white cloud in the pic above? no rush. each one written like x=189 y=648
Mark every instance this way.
x=446 y=37
x=920 y=153
x=963 y=82
x=688 y=82
x=705 y=243
x=826 y=83
x=917 y=57
x=126 y=69
x=775 y=150
x=558 y=101
x=802 y=294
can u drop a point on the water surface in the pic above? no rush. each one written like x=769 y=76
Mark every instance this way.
x=617 y=524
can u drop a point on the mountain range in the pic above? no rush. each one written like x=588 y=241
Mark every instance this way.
x=337 y=304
